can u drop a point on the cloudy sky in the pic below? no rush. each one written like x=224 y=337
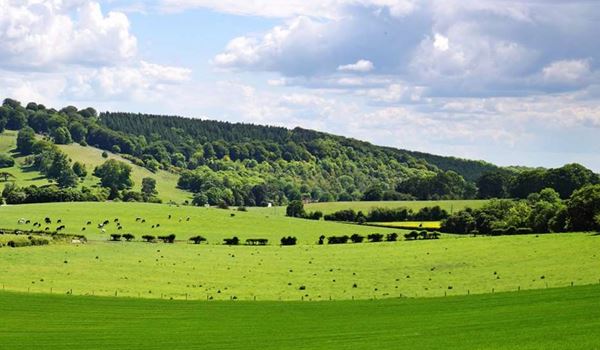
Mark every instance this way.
x=507 y=81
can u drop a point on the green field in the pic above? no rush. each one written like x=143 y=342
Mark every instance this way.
x=567 y=318
x=214 y=224
x=409 y=225
x=330 y=207
x=449 y=266
x=166 y=182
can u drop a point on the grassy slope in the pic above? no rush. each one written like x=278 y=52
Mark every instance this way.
x=214 y=224
x=380 y=270
x=330 y=207
x=92 y=157
x=550 y=319
x=23 y=177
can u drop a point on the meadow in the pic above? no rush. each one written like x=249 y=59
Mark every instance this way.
x=565 y=318
x=214 y=224
x=410 y=225
x=430 y=268
x=365 y=206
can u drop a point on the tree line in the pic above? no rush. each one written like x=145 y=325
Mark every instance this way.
x=540 y=213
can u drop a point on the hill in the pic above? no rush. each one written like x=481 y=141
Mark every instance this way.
x=25 y=175
x=566 y=318
x=251 y=165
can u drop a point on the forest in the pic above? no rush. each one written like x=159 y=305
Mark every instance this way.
x=252 y=165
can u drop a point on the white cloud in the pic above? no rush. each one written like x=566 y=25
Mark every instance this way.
x=441 y=42
x=291 y=8
x=43 y=35
x=362 y=66
x=567 y=71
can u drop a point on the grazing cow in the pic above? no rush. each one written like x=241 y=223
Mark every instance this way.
x=59 y=221
x=157 y=225
x=76 y=241
x=21 y=221
x=28 y=221
x=143 y=221
x=169 y=216
x=89 y=223
x=187 y=219
x=137 y=219
x=47 y=220
x=116 y=220
x=103 y=231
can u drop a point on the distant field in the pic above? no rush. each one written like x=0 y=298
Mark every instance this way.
x=330 y=207
x=567 y=318
x=214 y=224
x=166 y=182
x=452 y=266
x=409 y=225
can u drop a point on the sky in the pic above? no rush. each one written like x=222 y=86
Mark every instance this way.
x=512 y=82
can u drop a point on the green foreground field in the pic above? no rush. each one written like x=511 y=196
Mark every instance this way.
x=567 y=318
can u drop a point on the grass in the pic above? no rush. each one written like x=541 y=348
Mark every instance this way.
x=90 y=156
x=566 y=318
x=409 y=225
x=365 y=207
x=450 y=266
x=214 y=224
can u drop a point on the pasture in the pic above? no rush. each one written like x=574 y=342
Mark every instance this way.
x=409 y=225
x=565 y=318
x=430 y=268
x=330 y=207
x=153 y=219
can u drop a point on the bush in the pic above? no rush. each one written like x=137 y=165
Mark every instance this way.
x=129 y=237
x=104 y=154
x=288 y=240
x=167 y=239
x=356 y=238
x=338 y=239
x=115 y=237
x=375 y=237
x=524 y=231
x=391 y=237
x=148 y=238
x=197 y=239
x=231 y=241
x=6 y=161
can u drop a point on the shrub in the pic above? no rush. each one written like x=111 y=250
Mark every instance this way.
x=197 y=239
x=338 y=240
x=356 y=238
x=242 y=208
x=524 y=231
x=6 y=161
x=167 y=239
x=129 y=237
x=391 y=237
x=231 y=241
x=104 y=154
x=148 y=238
x=115 y=237
x=375 y=237
x=288 y=240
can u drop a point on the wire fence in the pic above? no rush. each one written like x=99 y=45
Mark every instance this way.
x=283 y=297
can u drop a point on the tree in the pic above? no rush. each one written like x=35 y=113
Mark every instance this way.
x=114 y=174
x=78 y=131
x=79 y=169
x=6 y=161
x=373 y=193
x=25 y=140
x=2 y=124
x=61 y=136
x=149 y=188
x=583 y=207
x=5 y=176
x=16 y=120
x=493 y=185
x=295 y=209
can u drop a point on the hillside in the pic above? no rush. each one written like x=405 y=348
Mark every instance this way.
x=220 y=163
x=24 y=175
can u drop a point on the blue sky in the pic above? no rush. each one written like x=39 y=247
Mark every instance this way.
x=514 y=82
